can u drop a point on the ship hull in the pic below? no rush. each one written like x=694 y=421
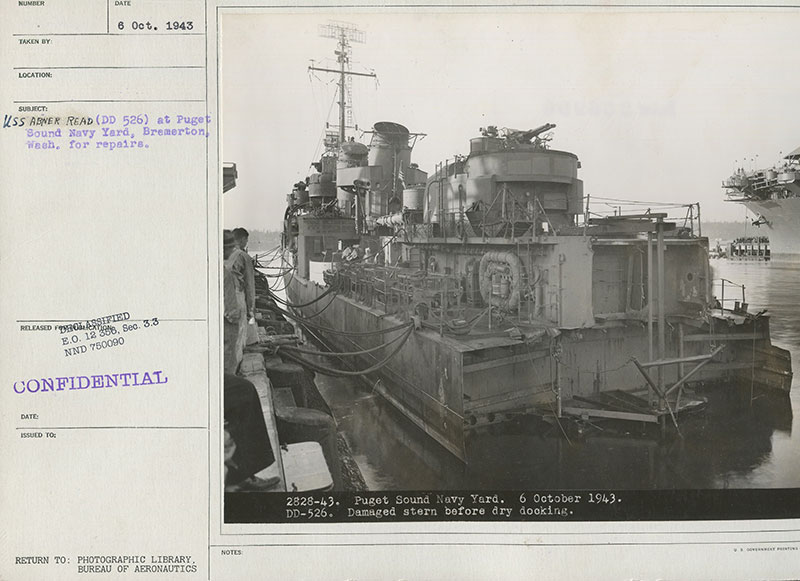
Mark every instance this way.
x=408 y=381
x=783 y=223
x=449 y=385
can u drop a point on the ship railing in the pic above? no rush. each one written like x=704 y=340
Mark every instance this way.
x=686 y=216
x=451 y=225
x=420 y=292
x=439 y=299
x=397 y=289
x=460 y=225
x=724 y=284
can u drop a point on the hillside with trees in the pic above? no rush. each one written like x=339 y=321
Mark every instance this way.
x=261 y=240
x=726 y=231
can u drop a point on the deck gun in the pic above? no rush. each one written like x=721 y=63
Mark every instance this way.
x=519 y=136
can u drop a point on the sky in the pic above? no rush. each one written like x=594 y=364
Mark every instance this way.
x=658 y=105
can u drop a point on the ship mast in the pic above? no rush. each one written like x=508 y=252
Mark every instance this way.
x=345 y=33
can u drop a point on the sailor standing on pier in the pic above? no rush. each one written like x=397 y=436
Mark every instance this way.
x=243 y=267
x=247 y=446
x=234 y=311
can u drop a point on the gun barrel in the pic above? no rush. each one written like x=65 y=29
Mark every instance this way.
x=541 y=129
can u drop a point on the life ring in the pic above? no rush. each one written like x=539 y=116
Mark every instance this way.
x=504 y=271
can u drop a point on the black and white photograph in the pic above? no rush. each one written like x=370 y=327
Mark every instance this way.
x=399 y=291
x=469 y=254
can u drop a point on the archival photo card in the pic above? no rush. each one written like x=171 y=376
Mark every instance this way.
x=398 y=291
x=486 y=274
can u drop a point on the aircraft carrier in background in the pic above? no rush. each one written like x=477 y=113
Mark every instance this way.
x=773 y=195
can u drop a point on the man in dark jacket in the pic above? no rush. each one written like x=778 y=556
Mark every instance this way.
x=251 y=451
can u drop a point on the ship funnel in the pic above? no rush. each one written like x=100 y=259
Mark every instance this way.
x=390 y=150
x=391 y=132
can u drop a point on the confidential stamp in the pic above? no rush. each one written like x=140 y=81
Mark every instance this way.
x=90 y=382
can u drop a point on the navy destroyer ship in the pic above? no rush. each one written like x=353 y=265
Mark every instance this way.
x=484 y=289
x=773 y=195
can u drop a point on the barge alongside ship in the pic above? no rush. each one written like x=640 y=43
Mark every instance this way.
x=486 y=290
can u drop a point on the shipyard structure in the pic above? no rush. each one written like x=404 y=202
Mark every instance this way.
x=484 y=289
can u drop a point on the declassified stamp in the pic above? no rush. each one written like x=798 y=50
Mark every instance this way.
x=107 y=332
x=87 y=336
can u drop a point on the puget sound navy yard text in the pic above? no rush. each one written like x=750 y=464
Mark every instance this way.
x=441 y=506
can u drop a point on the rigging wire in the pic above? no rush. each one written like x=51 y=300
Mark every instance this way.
x=322 y=310
x=317 y=148
x=302 y=320
x=350 y=353
x=286 y=283
x=265 y=255
x=334 y=288
x=291 y=269
x=638 y=202
x=279 y=274
x=268 y=266
x=331 y=371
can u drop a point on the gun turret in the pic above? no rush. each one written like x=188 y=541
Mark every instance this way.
x=539 y=130
x=519 y=136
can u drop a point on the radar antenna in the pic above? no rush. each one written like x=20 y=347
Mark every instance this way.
x=345 y=33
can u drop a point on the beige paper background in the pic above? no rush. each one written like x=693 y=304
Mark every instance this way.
x=93 y=233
